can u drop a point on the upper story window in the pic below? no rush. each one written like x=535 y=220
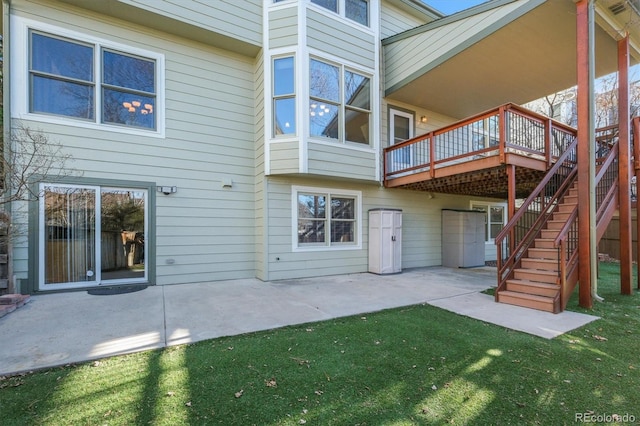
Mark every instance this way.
x=63 y=82
x=339 y=103
x=75 y=79
x=284 y=96
x=355 y=10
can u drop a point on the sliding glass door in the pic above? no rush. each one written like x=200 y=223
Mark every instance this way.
x=91 y=235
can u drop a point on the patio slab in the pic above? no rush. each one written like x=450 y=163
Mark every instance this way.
x=64 y=328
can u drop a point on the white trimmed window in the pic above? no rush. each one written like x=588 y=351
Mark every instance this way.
x=326 y=218
x=355 y=10
x=284 y=96
x=339 y=103
x=71 y=78
x=495 y=218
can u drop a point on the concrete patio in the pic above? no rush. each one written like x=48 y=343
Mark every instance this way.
x=63 y=328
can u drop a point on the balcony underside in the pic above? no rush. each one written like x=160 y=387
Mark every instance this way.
x=483 y=177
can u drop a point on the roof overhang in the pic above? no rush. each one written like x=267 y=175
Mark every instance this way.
x=151 y=17
x=502 y=51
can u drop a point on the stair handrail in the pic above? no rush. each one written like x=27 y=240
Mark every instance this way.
x=566 y=241
x=516 y=251
x=605 y=168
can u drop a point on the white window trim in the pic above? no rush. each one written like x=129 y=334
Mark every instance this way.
x=290 y=136
x=490 y=204
x=341 y=13
x=333 y=192
x=20 y=87
x=342 y=140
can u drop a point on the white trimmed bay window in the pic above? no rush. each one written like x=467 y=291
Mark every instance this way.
x=339 y=103
x=326 y=218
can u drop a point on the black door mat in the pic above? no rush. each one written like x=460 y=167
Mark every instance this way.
x=121 y=289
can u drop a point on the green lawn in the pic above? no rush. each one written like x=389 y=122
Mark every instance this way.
x=416 y=365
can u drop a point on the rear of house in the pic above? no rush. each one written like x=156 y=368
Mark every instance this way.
x=206 y=147
x=210 y=141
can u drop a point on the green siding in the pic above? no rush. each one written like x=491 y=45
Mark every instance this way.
x=336 y=37
x=421 y=229
x=285 y=157
x=283 y=27
x=207 y=230
x=341 y=161
x=241 y=20
x=394 y=20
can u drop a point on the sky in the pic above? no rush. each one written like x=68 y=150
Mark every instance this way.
x=452 y=6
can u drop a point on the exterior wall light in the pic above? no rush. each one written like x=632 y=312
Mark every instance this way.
x=166 y=190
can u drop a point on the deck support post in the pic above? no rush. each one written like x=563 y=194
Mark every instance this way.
x=585 y=78
x=511 y=203
x=624 y=163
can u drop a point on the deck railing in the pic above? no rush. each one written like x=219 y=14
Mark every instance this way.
x=497 y=132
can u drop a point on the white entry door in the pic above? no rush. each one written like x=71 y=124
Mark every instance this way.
x=401 y=129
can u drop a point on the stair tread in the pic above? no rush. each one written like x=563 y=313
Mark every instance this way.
x=543 y=249
x=533 y=283
x=538 y=271
x=527 y=296
x=535 y=259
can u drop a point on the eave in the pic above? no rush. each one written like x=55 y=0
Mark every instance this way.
x=502 y=51
x=158 y=19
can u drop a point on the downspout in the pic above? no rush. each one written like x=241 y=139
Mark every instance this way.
x=592 y=156
x=6 y=128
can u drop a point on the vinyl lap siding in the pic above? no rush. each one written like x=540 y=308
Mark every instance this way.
x=394 y=21
x=241 y=20
x=340 y=161
x=284 y=157
x=421 y=229
x=207 y=230
x=283 y=27
x=335 y=37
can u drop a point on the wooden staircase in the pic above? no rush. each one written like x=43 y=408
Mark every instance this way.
x=538 y=248
x=536 y=283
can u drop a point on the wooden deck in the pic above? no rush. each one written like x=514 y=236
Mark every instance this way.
x=478 y=155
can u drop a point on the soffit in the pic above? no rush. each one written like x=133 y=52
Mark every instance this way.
x=526 y=53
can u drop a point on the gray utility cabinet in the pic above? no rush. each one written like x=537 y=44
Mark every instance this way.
x=463 y=238
x=385 y=241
